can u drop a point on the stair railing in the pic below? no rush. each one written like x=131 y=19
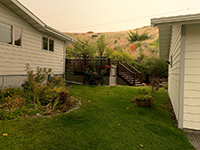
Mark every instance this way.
x=121 y=68
x=138 y=74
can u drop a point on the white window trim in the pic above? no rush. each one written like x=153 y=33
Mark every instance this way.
x=48 y=44
x=13 y=36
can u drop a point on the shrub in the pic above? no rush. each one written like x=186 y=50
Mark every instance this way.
x=90 y=32
x=134 y=36
x=165 y=86
x=159 y=68
x=94 y=35
x=108 y=52
x=121 y=57
x=33 y=83
x=13 y=102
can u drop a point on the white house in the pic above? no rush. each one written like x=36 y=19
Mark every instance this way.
x=24 y=38
x=180 y=44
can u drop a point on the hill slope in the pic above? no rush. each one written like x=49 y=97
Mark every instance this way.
x=119 y=39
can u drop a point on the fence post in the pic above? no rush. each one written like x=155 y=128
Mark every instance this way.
x=109 y=63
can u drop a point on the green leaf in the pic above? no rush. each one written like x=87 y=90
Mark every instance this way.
x=56 y=102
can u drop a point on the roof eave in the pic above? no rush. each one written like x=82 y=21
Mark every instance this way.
x=34 y=21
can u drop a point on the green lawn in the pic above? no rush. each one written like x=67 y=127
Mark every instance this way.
x=107 y=119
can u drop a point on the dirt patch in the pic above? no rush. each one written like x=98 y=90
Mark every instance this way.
x=170 y=108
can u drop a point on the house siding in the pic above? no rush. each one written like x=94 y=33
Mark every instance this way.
x=13 y=58
x=174 y=71
x=192 y=78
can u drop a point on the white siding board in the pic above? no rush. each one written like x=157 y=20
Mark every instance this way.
x=193 y=39
x=192 y=110
x=192 y=63
x=192 y=78
x=191 y=117
x=192 y=47
x=174 y=72
x=191 y=125
x=14 y=57
x=192 y=101
x=192 y=71
x=192 y=94
x=192 y=55
x=192 y=86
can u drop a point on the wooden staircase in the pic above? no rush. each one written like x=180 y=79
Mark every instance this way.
x=129 y=74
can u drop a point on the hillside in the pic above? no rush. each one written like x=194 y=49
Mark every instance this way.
x=116 y=40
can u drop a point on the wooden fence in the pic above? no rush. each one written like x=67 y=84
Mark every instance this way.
x=77 y=66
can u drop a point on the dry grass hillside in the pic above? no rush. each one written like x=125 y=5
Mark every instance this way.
x=121 y=38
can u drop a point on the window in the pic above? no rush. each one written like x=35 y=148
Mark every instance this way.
x=45 y=43
x=48 y=44
x=51 y=45
x=10 y=34
x=17 y=37
x=5 y=33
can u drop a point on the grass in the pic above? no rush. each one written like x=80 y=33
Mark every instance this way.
x=106 y=120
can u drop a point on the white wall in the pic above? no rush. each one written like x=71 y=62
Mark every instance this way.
x=192 y=78
x=13 y=58
x=174 y=71
x=113 y=75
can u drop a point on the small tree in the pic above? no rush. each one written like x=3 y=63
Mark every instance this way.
x=81 y=49
x=101 y=45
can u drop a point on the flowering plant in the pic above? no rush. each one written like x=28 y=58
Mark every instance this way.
x=93 y=76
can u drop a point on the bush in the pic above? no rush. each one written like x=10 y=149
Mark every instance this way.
x=38 y=96
x=159 y=68
x=165 y=86
x=94 y=35
x=151 y=67
x=134 y=36
x=121 y=57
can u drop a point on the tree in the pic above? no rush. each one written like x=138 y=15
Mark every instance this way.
x=81 y=49
x=101 y=45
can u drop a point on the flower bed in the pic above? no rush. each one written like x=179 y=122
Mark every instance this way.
x=36 y=97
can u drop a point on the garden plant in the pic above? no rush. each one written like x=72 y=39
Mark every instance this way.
x=36 y=97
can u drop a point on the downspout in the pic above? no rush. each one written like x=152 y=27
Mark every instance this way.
x=182 y=79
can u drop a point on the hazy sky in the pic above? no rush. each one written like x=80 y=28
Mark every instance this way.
x=106 y=15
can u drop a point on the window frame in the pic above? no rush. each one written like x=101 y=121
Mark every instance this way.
x=48 y=44
x=13 y=27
